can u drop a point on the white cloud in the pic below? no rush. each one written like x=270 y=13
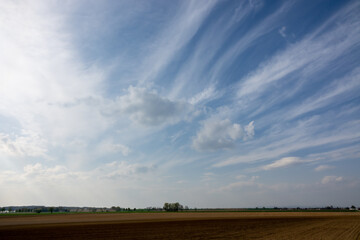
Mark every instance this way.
x=250 y=130
x=208 y=176
x=38 y=173
x=331 y=179
x=283 y=162
x=108 y=146
x=44 y=84
x=323 y=168
x=34 y=173
x=241 y=184
x=237 y=185
x=219 y=134
x=59 y=185
x=150 y=109
x=241 y=176
x=123 y=169
x=28 y=145
x=122 y=148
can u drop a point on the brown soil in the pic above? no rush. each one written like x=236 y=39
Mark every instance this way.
x=236 y=225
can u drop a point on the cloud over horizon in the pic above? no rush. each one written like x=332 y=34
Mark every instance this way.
x=181 y=101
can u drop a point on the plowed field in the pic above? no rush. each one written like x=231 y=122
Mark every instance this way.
x=221 y=225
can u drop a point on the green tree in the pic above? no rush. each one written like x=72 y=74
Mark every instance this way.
x=166 y=206
x=173 y=207
x=51 y=209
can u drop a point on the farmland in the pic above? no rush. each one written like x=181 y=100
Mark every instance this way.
x=189 y=225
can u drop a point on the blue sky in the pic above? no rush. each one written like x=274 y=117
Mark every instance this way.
x=208 y=103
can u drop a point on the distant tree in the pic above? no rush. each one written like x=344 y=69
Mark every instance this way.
x=173 y=207
x=166 y=206
x=353 y=207
x=180 y=207
x=176 y=206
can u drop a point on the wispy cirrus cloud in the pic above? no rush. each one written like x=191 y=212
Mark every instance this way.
x=208 y=94
x=196 y=67
x=300 y=137
x=306 y=57
x=283 y=162
x=260 y=94
x=323 y=168
x=211 y=59
x=247 y=40
x=175 y=36
x=342 y=152
x=345 y=88
x=250 y=182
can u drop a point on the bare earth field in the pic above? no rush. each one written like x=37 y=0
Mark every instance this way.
x=216 y=225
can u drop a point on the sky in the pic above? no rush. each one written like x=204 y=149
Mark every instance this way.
x=245 y=103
